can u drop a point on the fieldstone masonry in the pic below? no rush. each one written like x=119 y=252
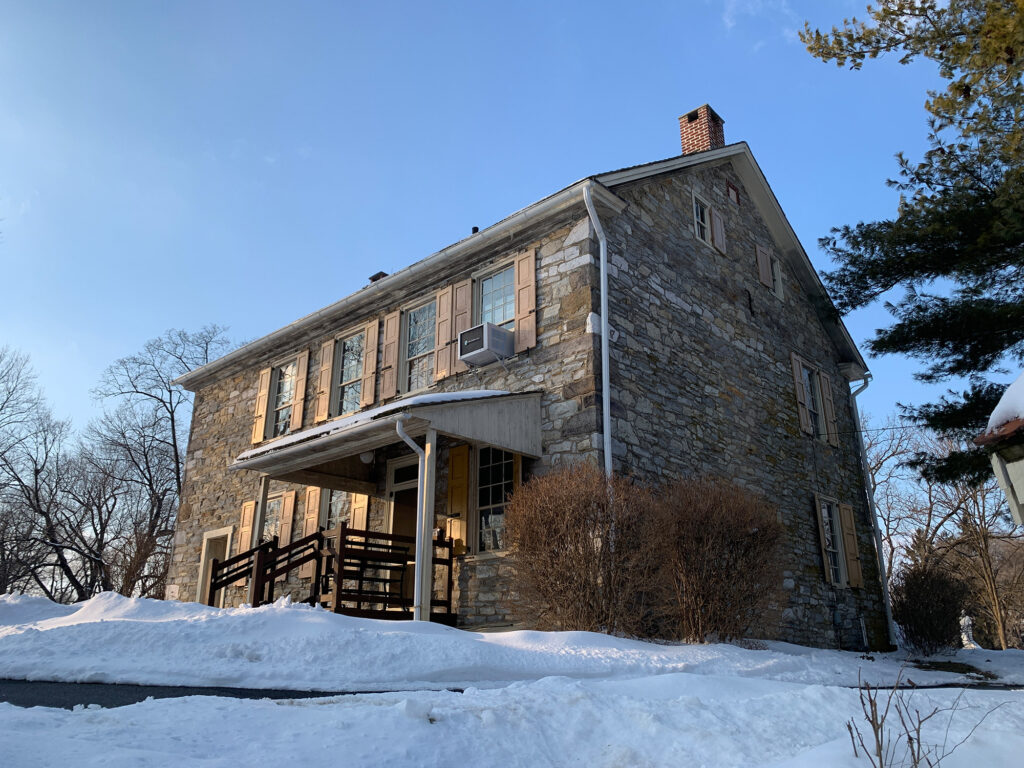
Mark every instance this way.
x=701 y=384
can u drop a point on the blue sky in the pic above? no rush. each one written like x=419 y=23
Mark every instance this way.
x=168 y=165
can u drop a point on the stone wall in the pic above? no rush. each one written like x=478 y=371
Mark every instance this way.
x=718 y=342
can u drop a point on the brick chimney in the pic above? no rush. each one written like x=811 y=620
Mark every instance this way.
x=701 y=129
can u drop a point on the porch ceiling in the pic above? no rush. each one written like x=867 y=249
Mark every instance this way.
x=510 y=421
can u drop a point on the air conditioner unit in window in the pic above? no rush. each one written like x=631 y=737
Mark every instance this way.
x=486 y=343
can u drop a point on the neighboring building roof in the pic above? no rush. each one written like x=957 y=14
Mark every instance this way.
x=523 y=224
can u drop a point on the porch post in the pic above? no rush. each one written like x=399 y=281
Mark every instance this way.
x=425 y=529
x=257 y=530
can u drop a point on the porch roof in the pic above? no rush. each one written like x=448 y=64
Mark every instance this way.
x=506 y=420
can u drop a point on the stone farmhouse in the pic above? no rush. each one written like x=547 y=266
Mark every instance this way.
x=662 y=320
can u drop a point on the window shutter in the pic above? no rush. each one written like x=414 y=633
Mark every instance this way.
x=526 y=301
x=801 y=395
x=821 y=540
x=443 y=349
x=301 y=371
x=831 y=428
x=458 y=496
x=310 y=522
x=462 y=312
x=284 y=536
x=358 y=511
x=389 y=363
x=259 y=423
x=764 y=266
x=245 y=533
x=323 y=382
x=717 y=230
x=368 y=387
x=853 y=572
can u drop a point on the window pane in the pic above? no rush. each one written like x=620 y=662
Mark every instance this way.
x=421 y=372
x=421 y=331
x=495 y=483
x=497 y=298
x=352 y=358
x=338 y=507
x=350 y=397
x=282 y=420
x=272 y=519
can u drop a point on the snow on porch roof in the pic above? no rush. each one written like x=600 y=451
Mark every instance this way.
x=504 y=419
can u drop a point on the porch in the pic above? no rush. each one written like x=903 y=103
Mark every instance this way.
x=395 y=563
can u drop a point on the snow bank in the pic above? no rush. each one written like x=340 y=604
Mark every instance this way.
x=111 y=638
x=1010 y=405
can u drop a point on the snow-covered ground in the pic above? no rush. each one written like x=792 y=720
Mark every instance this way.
x=530 y=698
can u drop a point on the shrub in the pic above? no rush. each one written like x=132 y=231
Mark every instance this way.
x=583 y=552
x=926 y=603
x=720 y=558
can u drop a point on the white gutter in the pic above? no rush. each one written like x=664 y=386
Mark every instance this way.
x=870 y=492
x=417 y=589
x=606 y=391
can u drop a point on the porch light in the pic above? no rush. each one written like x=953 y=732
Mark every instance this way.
x=366 y=457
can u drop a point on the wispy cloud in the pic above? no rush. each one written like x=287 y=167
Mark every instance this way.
x=778 y=10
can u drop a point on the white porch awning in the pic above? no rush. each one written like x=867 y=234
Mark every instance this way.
x=510 y=421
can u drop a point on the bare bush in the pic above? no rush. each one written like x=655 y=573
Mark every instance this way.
x=926 y=603
x=720 y=558
x=583 y=552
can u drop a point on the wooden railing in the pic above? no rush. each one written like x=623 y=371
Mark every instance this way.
x=355 y=572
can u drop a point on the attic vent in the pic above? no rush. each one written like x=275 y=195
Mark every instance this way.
x=377 y=276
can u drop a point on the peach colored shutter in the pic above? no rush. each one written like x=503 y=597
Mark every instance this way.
x=299 y=398
x=284 y=536
x=458 y=496
x=801 y=395
x=821 y=540
x=853 y=571
x=443 y=349
x=310 y=523
x=358 y=510
x=526 y=301
x=323 y=382
x=831 y=428
x=259 y=423
x=462 y=311
x=368 y=387
x=764 y=266
x=717 y=230
x=389 y=361
x=245 y=533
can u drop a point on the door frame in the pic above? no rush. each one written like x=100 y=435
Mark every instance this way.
x=206 y=561
x=400 y=463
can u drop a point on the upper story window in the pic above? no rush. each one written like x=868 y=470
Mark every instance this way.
x=498 y=298
x=769 y=270
x=815 y=404
x=280 y=398
x=701 y=220
x=419 y=346
x=284 y=398
x=349 y=372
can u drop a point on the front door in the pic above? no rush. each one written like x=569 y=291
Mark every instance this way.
x=403 y=482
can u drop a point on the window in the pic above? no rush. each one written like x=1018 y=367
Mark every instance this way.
x=498 y=298
x=769 y=269
x=496 y=477
x=336 y=509
x=732 y=192
x=419 y=347
x=272 y=518
x=815 y=405
x=831 y=540
x=701 y=220
x=284 y=398
x=348 y=374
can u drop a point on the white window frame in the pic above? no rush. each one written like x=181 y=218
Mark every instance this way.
x=337 y=367
x=811 y=374
x=473 y=524
x=697 y=223
x=325 y=506
x=272 y=409
x=262 y=535
x=832 y=523
x=478 y=292
x=391 y=486
x=404 y=360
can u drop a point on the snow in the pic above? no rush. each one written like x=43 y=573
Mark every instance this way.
x=364 y=417
x=1010 y=405
x=530 y=698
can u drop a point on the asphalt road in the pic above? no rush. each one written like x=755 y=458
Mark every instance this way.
x=31 y=693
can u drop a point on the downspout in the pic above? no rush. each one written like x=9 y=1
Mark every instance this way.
x=606 y=390
x=417 y=607
x=870 y=492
